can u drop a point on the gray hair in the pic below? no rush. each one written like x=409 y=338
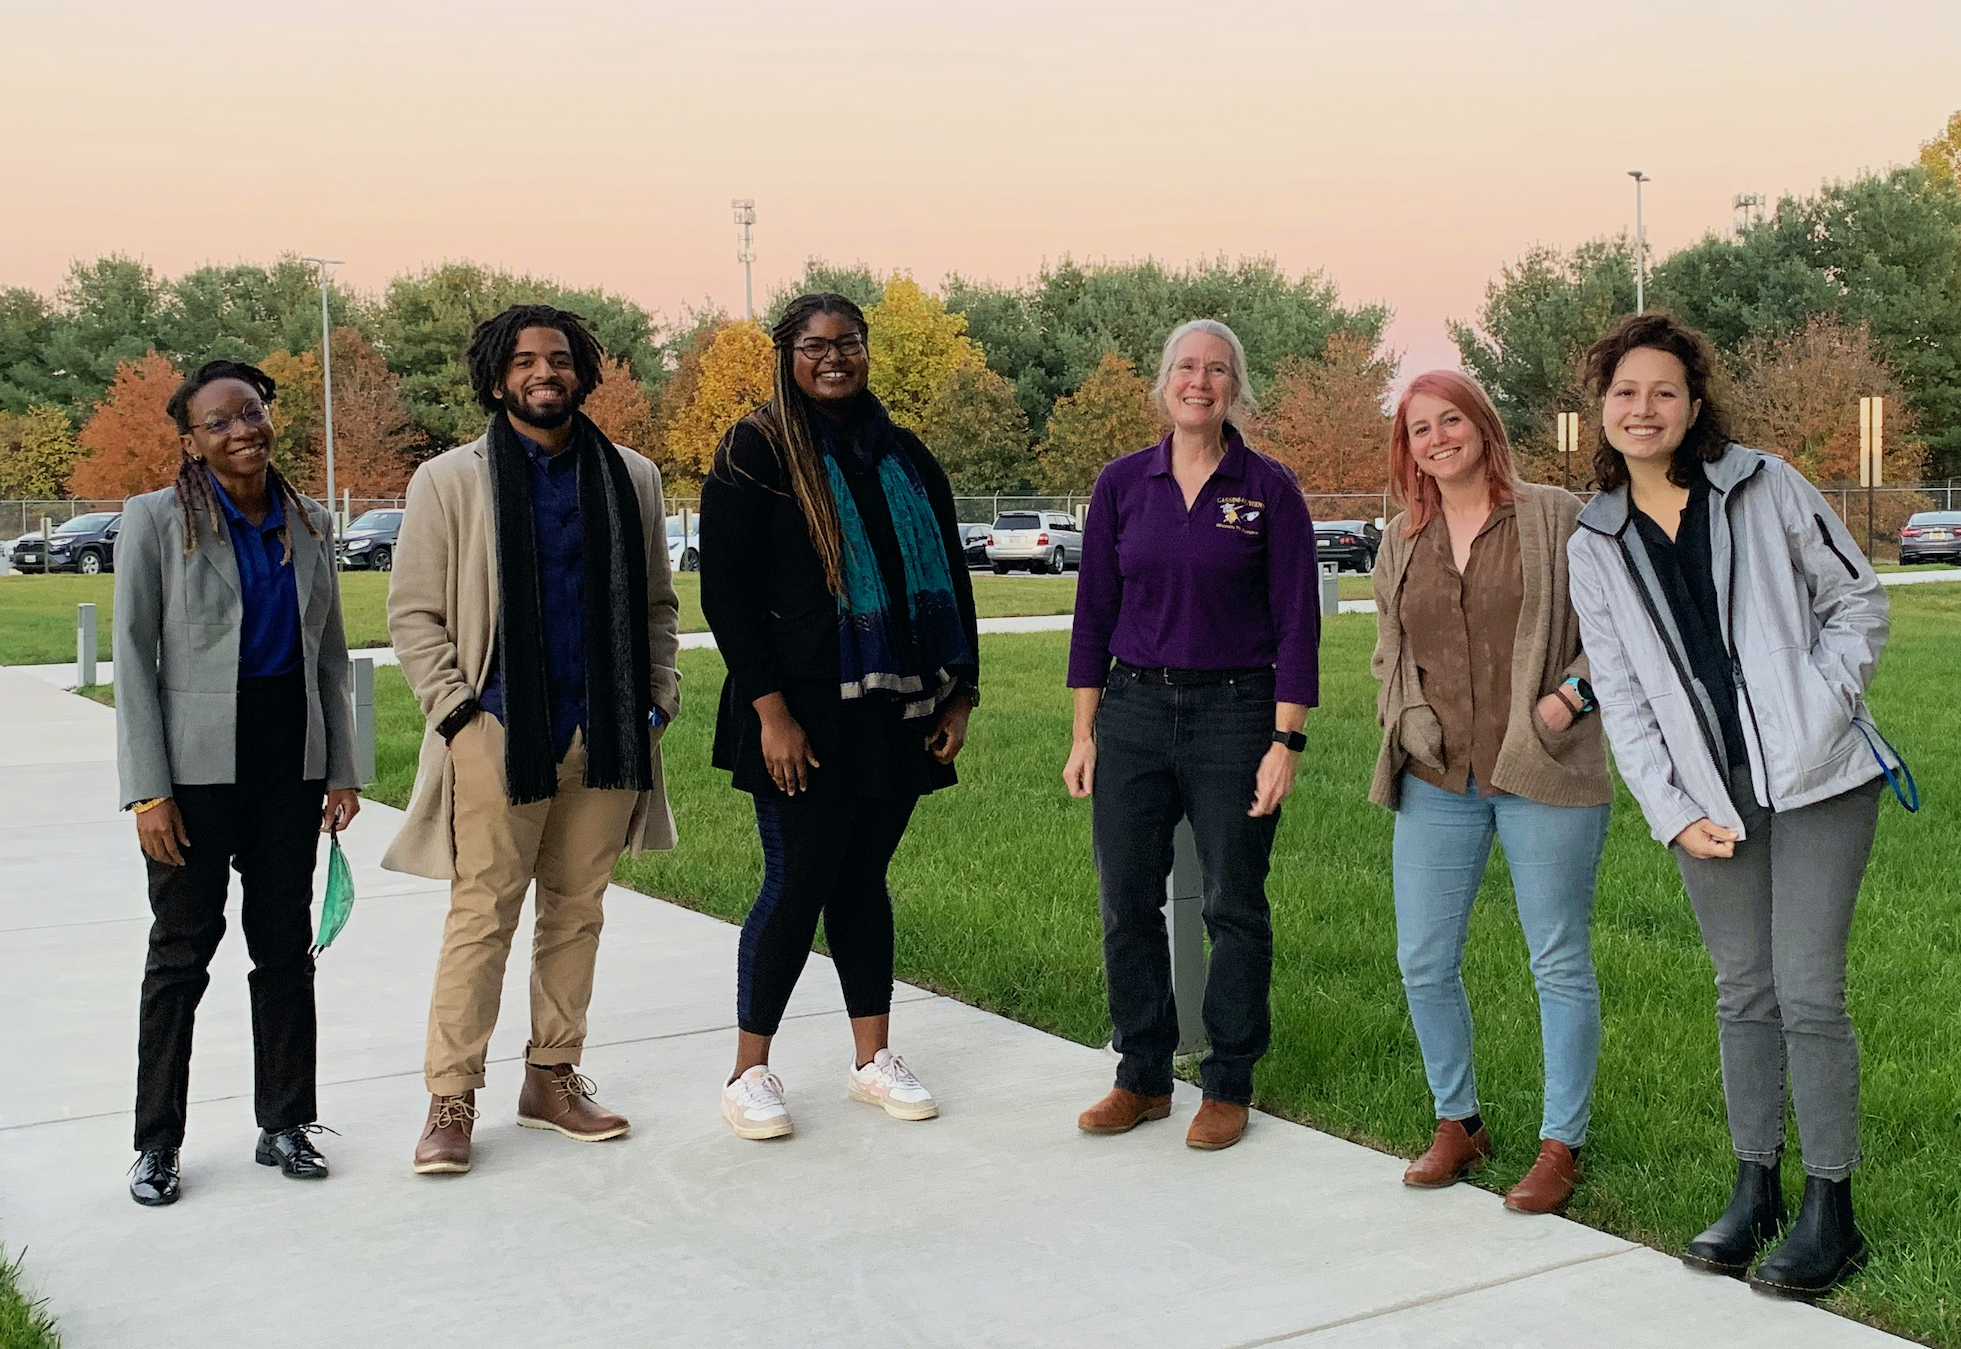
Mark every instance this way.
x=1243 y=405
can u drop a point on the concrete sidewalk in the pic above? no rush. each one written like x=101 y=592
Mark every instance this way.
x=997 y=1224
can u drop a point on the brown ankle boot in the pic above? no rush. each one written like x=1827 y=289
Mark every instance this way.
x=1218 y=1124
x=556 y=1096
x=1550 y=1182
x=445 y=1142
x=1121 y=1111
x=1453 y=1155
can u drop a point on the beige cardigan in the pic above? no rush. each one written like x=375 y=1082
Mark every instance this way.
x=442 y=615
x=1563 y=768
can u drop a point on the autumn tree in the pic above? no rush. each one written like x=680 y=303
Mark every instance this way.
x=130 y=443
x=1797 y=395
x=621 y=409
x=916 y=344
x=373 y=436
x=1109 y=415
x=38 y=450
x=1941 y=156
x=1324 y=419
x=734 y=376
x=977 y=430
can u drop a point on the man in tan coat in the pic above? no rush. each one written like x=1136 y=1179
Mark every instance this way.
x=535 y=619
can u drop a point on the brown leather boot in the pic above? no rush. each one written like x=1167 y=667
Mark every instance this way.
x=1121 y=1111
x=1453 y=1155
x=559 y=1097
x=445 y=1143
x=1218 y=1124
x=1550 y=1182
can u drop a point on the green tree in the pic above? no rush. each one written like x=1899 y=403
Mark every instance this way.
x=38 y=450
x=916 y=344
x=107 y=313
x=977 y=430
x=1109 y=415
x=245 y=312
x=26 y=326
x=857 y=283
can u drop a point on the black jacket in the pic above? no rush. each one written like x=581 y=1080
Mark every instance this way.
x=776 y=622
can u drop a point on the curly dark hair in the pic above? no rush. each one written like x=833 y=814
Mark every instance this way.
x=193 y=485
x=495 y=339
x=1708 y=435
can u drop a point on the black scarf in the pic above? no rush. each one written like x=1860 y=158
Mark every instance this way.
x=619 y=751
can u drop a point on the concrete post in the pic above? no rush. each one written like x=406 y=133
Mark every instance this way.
x=361 y=677
x=85 y=646
x=1185 y=917
x=1330 y=589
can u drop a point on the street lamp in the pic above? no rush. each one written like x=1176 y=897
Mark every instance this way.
x=745 y=216
x=1640 y=245
x=327 y=390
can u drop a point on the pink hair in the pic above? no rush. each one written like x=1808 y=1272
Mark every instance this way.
x=1416 y=491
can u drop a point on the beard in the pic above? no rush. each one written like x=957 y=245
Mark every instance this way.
x=542 y=418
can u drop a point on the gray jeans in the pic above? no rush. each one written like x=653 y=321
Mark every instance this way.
x=1775 y=918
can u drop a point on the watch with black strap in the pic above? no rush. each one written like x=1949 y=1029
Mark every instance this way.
x=1293 y=740
x=464 y=713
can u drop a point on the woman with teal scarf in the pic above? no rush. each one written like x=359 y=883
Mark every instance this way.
x=833 y=575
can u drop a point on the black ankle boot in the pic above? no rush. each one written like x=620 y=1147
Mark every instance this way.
x=1750 y=1223
x=1823 y=1249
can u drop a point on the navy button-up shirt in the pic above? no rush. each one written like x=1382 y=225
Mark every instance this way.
x=269 y=627
x=561 y=593
x=1229 y=584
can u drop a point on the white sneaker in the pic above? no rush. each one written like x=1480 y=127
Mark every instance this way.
x=886 y=1082
x=753 y=1105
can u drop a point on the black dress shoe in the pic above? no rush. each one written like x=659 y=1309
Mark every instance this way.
x=292 y=1151
x=1750 y=1223
x=1822 y=1250
x=153 y=1180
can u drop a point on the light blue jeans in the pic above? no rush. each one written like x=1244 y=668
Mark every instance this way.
x=1443 y=842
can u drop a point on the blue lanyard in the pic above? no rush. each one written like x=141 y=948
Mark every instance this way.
x=1910 y=798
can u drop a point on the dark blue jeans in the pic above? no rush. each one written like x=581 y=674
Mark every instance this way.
x=1163 y=753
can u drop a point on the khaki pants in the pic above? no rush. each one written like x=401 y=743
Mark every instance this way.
x=569 y=844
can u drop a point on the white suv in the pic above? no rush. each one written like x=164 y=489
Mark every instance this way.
x=1038 y=540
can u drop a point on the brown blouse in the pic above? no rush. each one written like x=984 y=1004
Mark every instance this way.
x=1461 y=630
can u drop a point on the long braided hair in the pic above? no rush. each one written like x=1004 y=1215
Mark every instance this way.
x=195 y=495
x=785 y=421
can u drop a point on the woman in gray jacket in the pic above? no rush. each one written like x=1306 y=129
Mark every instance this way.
x=1733 y=628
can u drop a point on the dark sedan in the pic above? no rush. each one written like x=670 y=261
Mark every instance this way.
x=86 y=544
x=369 y=544
x=1350 y=543
x=974 y=539
x=1931 y=536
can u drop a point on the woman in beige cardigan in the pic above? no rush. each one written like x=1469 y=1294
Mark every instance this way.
x=1485 y=710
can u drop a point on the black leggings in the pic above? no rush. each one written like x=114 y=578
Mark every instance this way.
x=821 y=855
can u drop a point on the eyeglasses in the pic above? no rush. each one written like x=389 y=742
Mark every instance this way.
x=850 y=346
x=254 y=415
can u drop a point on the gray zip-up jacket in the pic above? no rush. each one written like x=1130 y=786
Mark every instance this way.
x=1804 y=618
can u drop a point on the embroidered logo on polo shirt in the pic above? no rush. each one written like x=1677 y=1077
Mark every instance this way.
x=1241 y=514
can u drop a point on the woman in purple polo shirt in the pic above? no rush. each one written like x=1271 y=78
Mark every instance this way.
x=1194 y=661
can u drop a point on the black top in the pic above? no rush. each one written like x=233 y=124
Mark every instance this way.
x=776 y=622
x=1686 y=567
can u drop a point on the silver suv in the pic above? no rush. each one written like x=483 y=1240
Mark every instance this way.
x=1038 y=540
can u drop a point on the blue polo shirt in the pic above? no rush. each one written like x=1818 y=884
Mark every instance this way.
x=561 y=593
x=269 y=628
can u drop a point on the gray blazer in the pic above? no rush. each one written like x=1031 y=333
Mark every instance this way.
x=176 y=654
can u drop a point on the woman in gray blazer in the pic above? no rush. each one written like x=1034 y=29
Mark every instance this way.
x=233 y=748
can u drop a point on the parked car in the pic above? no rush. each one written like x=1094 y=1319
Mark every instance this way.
x=1351 y=543
x=684 y=553
x=1038 y=540
x=974 y=539
x=1931 y=536
x=86 y=544
x=369 y=543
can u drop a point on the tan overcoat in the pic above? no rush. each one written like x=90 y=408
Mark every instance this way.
x=442 y=615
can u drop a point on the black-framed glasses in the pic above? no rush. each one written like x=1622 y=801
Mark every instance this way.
x=254 y=415
x=850 y=346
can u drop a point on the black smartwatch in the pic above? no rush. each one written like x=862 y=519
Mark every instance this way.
x=465 y=713
x=1293 y=740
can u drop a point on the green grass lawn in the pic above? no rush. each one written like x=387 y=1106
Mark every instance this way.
x=23 y=1324
x=996 y=905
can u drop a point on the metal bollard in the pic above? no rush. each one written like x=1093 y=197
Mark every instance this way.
x=1185 y=917
x=85 y=646
x=361 y=677
x=1330 y=589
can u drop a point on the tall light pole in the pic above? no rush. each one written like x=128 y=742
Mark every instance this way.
x=745 y=216
x=1640 y=245
x=327 y=392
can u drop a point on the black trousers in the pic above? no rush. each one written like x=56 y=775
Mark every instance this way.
x=267 y=826
x=822 y=854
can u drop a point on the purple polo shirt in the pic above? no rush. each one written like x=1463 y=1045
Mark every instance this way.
x=1229 y=584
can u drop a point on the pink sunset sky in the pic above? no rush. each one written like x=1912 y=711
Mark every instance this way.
x=1407 y=150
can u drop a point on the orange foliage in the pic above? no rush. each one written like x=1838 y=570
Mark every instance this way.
x=132 y=446
x=372 y=435
x=1324 y=419
x=620 y=409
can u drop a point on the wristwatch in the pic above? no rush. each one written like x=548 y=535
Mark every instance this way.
x=1293 y=740
x=1585 y=690
x=465 y=713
